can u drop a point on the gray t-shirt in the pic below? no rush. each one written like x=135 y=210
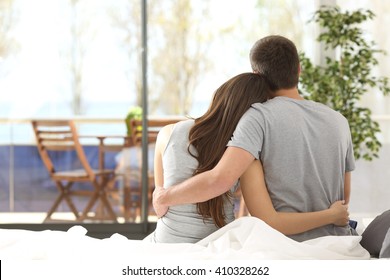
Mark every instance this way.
x=305 y=148
x=182 y=223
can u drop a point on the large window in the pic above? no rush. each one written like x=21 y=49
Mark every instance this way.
x=81 y=59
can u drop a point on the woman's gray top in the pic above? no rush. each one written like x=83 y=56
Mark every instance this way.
x=182 y=223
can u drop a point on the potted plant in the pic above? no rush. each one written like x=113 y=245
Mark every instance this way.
x=134 y=113
x=345 y=78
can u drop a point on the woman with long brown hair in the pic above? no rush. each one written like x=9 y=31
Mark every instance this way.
x=192 y=146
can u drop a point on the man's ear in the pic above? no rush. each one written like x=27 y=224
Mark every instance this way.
x=299 y=69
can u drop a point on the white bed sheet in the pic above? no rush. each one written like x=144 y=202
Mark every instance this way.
x=245 y=238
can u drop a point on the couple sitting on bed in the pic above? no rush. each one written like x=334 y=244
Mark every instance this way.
x=256 y=120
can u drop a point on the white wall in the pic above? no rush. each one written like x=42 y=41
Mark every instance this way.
x=371 y=185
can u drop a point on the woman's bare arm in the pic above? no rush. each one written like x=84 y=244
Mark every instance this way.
x=161 y=142
x=259 y=205
x=347 y=187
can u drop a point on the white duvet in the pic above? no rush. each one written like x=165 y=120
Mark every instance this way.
x=245 y=238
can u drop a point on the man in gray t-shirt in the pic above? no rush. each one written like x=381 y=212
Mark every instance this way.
x=305 y=148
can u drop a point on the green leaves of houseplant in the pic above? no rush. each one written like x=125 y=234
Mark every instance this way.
x=134 y=113
x=345 y=78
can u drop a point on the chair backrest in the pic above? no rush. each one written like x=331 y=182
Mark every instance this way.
x=154 y=126
x=58 y=135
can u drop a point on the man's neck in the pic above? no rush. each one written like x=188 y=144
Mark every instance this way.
x=290 y=93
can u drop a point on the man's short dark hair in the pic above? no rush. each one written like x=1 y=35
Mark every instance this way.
x=277 y=58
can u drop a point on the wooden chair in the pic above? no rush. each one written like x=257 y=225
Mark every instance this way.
x=53 y=137
x=132 y=195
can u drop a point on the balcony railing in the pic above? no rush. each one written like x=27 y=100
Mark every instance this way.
x=25 y=186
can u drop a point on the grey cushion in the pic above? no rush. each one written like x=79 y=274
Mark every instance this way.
x=385 y=251
x=374 y=235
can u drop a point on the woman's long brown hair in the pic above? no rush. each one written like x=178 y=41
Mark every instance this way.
x=212 y=131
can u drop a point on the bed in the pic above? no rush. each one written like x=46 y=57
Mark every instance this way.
x=245 y=238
